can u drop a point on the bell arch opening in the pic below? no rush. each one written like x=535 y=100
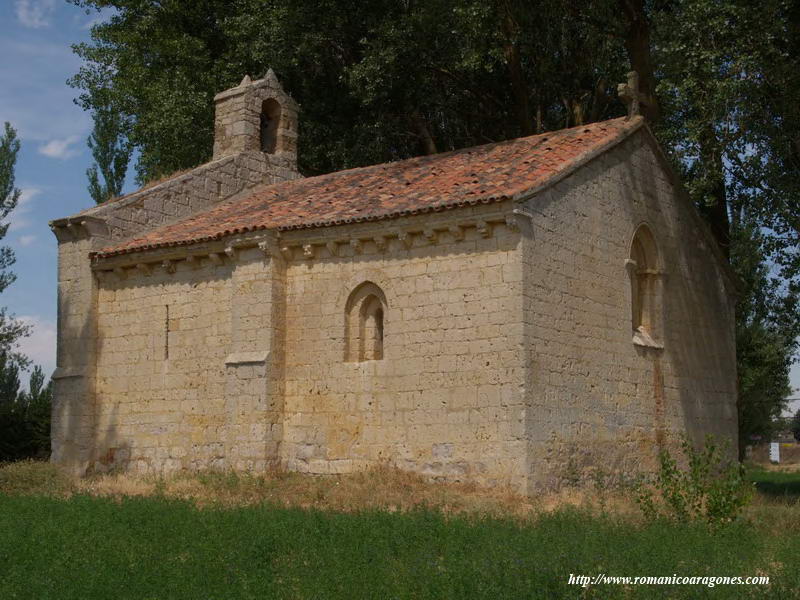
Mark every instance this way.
x=269 y=121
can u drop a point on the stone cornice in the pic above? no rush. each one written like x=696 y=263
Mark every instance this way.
x=309 y=245
x=80 y=226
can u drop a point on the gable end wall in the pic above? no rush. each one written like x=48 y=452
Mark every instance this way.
x=596 y=401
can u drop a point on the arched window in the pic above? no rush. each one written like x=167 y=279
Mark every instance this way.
x=644 y=274
x=270 y=119
x=364 y=323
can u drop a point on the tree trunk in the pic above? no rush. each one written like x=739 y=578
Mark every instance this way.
x=519 y=85
x=423 y=133
x=637 y=44
x=716 y=212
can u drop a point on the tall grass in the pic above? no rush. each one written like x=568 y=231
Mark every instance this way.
x=381 y=534
x=153 y=547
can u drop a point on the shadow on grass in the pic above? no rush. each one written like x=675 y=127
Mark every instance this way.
x=777 y=484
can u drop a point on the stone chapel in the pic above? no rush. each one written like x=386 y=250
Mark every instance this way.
x=500 y=314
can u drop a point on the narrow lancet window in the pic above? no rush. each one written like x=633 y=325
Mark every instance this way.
x=645 y=286
x=364 y=323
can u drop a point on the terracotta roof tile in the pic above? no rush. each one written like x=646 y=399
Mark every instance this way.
x=481 y=174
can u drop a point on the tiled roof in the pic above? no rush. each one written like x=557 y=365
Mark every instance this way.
x=478 y=175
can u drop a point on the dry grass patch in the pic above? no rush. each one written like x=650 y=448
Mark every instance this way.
x=34 y=477
x=382 y=487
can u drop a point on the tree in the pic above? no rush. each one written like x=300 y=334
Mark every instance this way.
x=38 y=401
x=767 y=330
x=16 y=439
x=720 y=65
x=377 y=81
x=24 y=415
x=10 y=329
x=795 y=425
x=111 y=151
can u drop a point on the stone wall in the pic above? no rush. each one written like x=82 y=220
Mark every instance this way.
x=176 y=198
x=161 y=369
x=185 y=375
x=597 y=401
x=73 y=412
x=93 y=229
x=255 y=371
x=191 y=192
x=446 y=399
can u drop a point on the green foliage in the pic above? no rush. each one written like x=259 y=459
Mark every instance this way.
x=10 y=329
x=9 y=195
x=711 y=487
x=24 y=415
x=727 y=72
x=111 y=151
x=767 y=330
x=376 y=81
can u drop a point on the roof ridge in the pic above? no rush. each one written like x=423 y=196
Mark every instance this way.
x=466 y=149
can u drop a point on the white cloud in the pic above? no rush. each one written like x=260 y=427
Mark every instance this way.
x=61 y=149
x=34 y=13
x=19 y=219
x=26 y=240
x=40 y=346
x=27 y=194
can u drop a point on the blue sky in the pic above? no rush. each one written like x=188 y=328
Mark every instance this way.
x=35 y=39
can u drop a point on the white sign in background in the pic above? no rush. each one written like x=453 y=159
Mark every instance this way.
x=775 y=452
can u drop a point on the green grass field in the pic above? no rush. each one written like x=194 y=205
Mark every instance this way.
x=156 y=547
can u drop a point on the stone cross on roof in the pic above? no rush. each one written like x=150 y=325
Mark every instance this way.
x=629 y=93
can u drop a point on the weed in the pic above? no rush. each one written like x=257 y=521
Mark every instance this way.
x=572 y=473
x=709 y=488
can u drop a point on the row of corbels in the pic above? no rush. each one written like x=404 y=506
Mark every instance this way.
x=169 y=265
x=281 y=250
x=406 y=238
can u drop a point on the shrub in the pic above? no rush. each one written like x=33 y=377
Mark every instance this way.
x=24 y=415
x=710 y=487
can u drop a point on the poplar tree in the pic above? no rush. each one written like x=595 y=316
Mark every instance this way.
x=111 y=151
x=11 y=330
